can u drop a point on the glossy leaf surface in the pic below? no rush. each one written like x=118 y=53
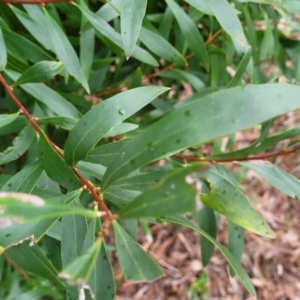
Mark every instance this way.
x=135 y=262
x=132 y=14
x=180 y=129
x=103 y=118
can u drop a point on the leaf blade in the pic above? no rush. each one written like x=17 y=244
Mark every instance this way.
x=132 y=14
x=97 y=122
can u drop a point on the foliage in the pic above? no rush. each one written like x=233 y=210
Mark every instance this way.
x=87 y=111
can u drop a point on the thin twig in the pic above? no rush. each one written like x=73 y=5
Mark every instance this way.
x=246 y=158
x=86 y=183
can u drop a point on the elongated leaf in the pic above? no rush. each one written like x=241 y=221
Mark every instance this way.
x=7 y=119
x=178 y=130
x=278 y=178
x=161 y=47
x=23 y=49
x=64 y=51
x=120 y=197
x=208 y=223
x=20 y=145
x=47 y=96
x=15 y=233
x=67 y=123
x=28 y=207
x=132 y=14
x=136 y=264
x=102 y=281
x=104 y=155
x=3 y=52
x=235 y=242
x=80 y=269
x=35 y=23
x=107 y=31
x=190 y=32
x=172 y=195
x=87 y=44
x=95 y=170
x=142 y=181
x=228 y=200
x=74 y=229
x=55 y=166
x=40 y=72
x=122 y=129
x=258 y=147
x=230 y=22
x=103 y=118
x=25 y=180
x=240 y=272
x=240 y=70
x=32 y=259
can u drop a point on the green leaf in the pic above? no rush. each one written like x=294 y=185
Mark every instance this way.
x=108 y=32
x=23 y=49
x=15 y=233
x=225 y=14
x=178 y=130
x=7 y=119
x=240 y=70
x=64 y=51
x=278 y=178
x=161 y=47
x=122 y=129
x=40 y=72
x=3 y=52
x=55 y=166
x=95 y=170
x=208 y=223
x=105 y=154
x=268 y=43
x=240 y=272
x=120 y=197
x=235 y=242
x=101 y=281
x=25 y=180
x=136 y=264
x=32 y=259
x=101 y=119
x=20 y=145
x=66 y=123
x=80 y=269
x=174 y=194
x=74 y=229
x=87 y=45
x=258 y=147
x=132 y=14
x=142 y=181
x=227 y=199
x=190 y=32
x=47 y=96
x=28 y=207
x=35 y=24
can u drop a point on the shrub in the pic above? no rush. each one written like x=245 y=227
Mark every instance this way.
x=87 y=110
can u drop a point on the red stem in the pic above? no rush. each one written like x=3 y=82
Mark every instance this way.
x=86 y=184
x=257 y=157
x=34 y=1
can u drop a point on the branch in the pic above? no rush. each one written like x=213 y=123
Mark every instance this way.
x=246 y=158
x=86 y=183
x=157 y=73
x=33 y=1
